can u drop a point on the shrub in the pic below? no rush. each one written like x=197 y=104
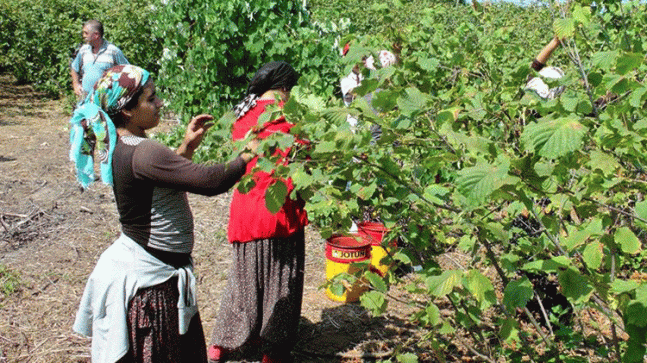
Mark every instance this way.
x=38 y=38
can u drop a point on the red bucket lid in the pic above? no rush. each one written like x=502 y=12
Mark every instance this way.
x=372 y=226
x=373 y=232
x=347 y=242
x=347 y=249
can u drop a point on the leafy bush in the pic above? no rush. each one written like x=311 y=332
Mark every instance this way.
x=38 y=38
x=533 y=190
x=374 y=16
x=212 y=48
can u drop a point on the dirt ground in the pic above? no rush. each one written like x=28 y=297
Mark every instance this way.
x=52 y=233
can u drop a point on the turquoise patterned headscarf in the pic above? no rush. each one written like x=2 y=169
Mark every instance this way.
x=92 y=130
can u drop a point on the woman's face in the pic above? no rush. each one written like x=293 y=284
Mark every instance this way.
x=146 y=114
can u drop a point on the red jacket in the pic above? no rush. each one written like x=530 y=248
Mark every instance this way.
x=249 y=219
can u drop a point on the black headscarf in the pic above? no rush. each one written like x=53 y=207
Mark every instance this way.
x=272 y=75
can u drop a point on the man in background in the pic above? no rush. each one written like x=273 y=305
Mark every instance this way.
x=93 y=58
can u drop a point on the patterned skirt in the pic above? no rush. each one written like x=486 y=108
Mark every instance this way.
x=154 y=329
x=261 y=306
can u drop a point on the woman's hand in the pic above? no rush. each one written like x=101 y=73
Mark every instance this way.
x=250 y=150
x=194 y=134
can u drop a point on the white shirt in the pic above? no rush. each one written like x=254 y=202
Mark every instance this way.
x=123 y=269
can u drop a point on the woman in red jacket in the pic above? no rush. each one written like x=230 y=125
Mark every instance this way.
x=262 y=303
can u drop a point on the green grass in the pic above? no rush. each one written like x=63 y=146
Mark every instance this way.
x=9 y=281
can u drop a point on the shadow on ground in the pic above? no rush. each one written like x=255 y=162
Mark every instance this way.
x=349 y=333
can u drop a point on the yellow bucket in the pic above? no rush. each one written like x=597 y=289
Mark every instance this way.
x=373 y=233
x=341 y=252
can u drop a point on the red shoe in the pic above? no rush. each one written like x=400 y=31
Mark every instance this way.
x=217 y=354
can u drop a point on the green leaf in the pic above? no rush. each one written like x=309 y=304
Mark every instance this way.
x=227 y=119
x=467 y=243
x=448 y=115
x=584 y=107
x=582 y=14
x=374 y=302
x=593 y=254
x=619 y=286
x=569 y=100
x=446 y=329
x=312 y=102
x=636 y=99
x=595 y=228
x=434 y=193
x=403 y=256
x=498 y=231
x=627 y=240
x=376 y=281
x=266 y=117
x=284 y=140
x=478 y=182
x=636 y=312
x=246 y=184
x=275 y=196
x=636 y=349
x=444 y=284
x=554 y=138
x=368 y=85
x=384 y=101
x=379 y=7
x=509 y=330
x=407 y=358
x=325 y=147
x=628 y=62
x=552 y=265
x=337 y=289
x=517 y=294
x=604 y=162
x=480 y=286
x=433 y=314
x=575 y=287
x=366 y=192
x=428 y=64
x=616 y=83
x=564 y=28
x=641 y=211
x=604 y=60
x=336 y=115
x=641 y=292
x=302 y=179
x=576 y=239
x=413 y=102
x=338 y=281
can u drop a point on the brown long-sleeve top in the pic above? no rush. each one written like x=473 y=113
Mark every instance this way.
x=150 y=185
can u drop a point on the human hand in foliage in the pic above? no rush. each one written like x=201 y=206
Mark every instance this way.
x=250 y=149
x=546 y=52
x=194 y=134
